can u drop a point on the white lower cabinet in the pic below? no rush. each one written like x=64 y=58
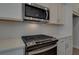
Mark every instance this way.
x=69 y=46
x=65 y=46
x=61 y=47
x=17 y=51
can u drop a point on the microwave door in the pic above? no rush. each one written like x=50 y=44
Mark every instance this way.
x=36 y=13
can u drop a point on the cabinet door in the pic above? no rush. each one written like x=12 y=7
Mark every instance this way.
x=61 y=47
x=53 y=13
x=60 y=13
x=11 y=11
x=69 y=45
x=56 y=13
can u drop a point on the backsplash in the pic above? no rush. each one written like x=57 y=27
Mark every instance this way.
x=18 y=29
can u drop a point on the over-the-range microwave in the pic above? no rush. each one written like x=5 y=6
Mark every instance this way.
x=35 y=12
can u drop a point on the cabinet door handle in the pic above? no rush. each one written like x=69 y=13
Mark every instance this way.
x=47 y=12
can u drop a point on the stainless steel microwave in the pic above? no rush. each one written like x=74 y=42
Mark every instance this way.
x=35 y=12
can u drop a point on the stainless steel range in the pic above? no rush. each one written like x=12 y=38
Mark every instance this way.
x=40 y=45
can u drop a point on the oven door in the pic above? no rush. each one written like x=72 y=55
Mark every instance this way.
x=47 y=50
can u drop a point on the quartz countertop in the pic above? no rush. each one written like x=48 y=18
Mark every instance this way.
x=8 y=44
x=60 y=37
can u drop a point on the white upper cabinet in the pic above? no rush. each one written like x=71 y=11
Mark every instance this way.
x=56 y=12
x=11 y=11
x=53 y=13
x=75 y=8
x=65 y=46
x=60 y=13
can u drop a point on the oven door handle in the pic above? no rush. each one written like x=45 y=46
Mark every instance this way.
x=42 y=42
x=41 y=50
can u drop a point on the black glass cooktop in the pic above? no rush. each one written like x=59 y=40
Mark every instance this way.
x=37 y=37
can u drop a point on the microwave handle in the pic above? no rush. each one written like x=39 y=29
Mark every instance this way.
x=46 y=14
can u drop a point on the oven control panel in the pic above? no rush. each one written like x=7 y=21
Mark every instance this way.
x=32 y=43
